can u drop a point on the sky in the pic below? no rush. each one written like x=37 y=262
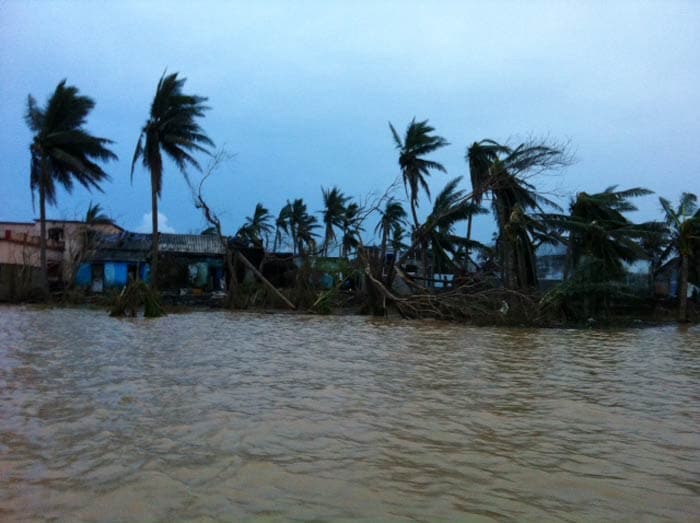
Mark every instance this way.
x=301 y=94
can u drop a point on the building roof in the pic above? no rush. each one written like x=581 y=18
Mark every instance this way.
x=190 y=243
x=134 y=246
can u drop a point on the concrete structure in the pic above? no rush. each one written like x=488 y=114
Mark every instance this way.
x=68 y=242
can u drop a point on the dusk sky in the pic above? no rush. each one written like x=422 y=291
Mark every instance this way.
x=302 y=93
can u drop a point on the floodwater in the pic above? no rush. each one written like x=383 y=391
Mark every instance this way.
x=215 y=416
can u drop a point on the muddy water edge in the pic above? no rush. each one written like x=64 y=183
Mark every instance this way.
x=218 y=416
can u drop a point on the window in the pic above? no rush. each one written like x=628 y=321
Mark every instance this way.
x=56 y=234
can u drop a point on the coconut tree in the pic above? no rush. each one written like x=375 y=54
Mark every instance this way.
x=599 y=230
x=333 y=214
x=95 y=215
x=256 y=227
x=301 y=226
x=415 y=168
x=503 y=173
x=281 y=226
x=172 y=129
x=601 y=239
x=438 y=232
x=480 y=157
x=351 y=227
x=62 y=151
x=392 y=215
x=417 y=142
x=683 y=225
x=398 y=233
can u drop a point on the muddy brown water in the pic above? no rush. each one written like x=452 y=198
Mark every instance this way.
x=215 y=416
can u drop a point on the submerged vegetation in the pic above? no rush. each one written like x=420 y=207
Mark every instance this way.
x=419 y=268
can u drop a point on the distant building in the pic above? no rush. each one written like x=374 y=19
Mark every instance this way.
x=67 y=243
x=187 y=262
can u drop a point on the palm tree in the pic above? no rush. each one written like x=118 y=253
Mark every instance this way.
x=95 y=216
x=502 y=172
x=333 y=213
x=480 y=157
x=398 y=233
x=417 y=142
x=256 y=226
x=281 y=226
x=598 y=229
x=351 y=228
x=171 y=128
x=438 y=232
x=601 y=239
x=683 y=225
x=392 y=215
x=301 y=227
x=62 y=151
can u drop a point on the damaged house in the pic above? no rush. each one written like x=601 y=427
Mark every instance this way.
x=187 y=262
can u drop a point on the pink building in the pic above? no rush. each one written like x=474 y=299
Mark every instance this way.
x=66 y=247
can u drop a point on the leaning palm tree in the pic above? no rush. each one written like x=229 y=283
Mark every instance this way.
x=171 y=128
x=95 y=215
x=503 y=172
x=256 y=227
x=480 y=157
x=393 y=214
x=281 y=226
x=351 y=227
x=334 y=210
x=598 y=229
x=62 y=151
x=438 y=232
x=684 y=231
x=417 y=142
x=601 y=239
x=301 y=228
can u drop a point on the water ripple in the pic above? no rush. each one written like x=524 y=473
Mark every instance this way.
x=234 y=417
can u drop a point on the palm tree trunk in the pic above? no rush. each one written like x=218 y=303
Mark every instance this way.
x=385 y=235
x=277 y=238
x=154 y=237
x=469 y=237
x=568 y=260
x=42 y=230
x=683 y=290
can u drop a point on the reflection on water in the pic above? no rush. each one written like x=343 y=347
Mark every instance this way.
x=228 y=417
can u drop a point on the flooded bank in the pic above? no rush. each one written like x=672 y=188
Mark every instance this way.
x=220 y=416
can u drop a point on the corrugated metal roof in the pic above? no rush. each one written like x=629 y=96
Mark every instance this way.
x=130 y=246
x=190 y=243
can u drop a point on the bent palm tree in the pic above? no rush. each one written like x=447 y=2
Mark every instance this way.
x=684 y=230
x=502 y=172
x=392 y=215
x=438 y=231
x=333 y=213
x=281 y=226
x=95 y=215
x=352 y=228
x=301 y=226
x=256 y=226
x=598 y=229
x=171 y=128
x=416 y=143
x=62 y=151
x=480 y=157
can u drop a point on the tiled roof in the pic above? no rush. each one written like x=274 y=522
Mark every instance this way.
x=190 y=243
x=135 y=243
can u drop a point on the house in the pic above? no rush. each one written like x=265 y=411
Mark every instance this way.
x=187 y=262
x=67 y=244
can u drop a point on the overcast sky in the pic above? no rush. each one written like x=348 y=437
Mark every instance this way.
x=301 y=93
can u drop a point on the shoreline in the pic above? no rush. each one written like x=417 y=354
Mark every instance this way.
x=617 y=322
